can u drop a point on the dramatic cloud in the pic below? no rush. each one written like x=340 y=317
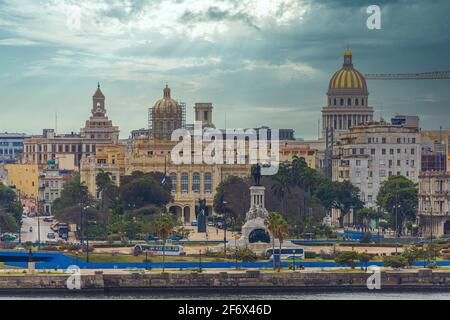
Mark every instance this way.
x=272 y=58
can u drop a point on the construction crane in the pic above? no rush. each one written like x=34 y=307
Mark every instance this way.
x=435 y=75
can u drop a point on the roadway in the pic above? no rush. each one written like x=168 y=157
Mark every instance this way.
x=32 y=236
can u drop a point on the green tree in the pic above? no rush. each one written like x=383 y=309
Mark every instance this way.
x=398 y=196
x=412 y=254
x=10 y=210
x=142 y=191
x=163 y=226
x=365 y=259
x=278 y=227
x=395 y=262
x=346 y=199
x=282 y=184
x=347 y=258
x=365 y=216
x=272 y=223
x=108 y=192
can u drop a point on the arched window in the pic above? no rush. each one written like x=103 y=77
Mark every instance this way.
x=208 y=182
x=362 y=101
x=356 y=101
x=173 y=179
x=349 y=101
x=342 y=101
x=196 y=182
x=335 y=101
x=185 y=182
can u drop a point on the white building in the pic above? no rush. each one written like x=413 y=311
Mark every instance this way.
x=370 y=153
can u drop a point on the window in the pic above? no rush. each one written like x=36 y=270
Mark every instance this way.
x=342 y=102
x=349 y=102
x=356 y=101
x=383 y=151
x=185 y=182
x=391 y=151
x=208 y=182
x=413 y=151
x=196 y=182
x=383 y=140
x=361 y=151
x=358 y=163
x=173 y=179
x=372 y=151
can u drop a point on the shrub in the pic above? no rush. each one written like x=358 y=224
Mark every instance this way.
x=246 y=255
x=347 y=258
x=331 y=255
x=395 y=262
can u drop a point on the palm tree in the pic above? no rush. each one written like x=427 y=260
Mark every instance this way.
x=104 y=184
x=282 y=184
x=278 y=227
x=271 y=223
x=163 y=226
x=281 y=232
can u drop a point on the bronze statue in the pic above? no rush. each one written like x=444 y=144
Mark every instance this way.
x=256 y=174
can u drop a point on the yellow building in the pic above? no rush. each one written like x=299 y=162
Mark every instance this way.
x=291 y=149
x=25 y=177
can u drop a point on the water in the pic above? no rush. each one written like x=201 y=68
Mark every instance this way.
x=348 y=295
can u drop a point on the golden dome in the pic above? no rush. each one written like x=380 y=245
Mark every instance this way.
x=348 y=78
x=167 y=104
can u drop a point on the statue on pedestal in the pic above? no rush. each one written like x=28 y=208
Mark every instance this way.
x=256 y=174
x=201 y=214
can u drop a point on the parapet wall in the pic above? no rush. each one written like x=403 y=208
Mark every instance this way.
x=245 y=280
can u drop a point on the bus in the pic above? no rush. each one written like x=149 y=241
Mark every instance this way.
x=286 y=253
x=157 y=250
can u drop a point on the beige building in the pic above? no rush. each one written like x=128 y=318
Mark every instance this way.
x=98 y=130
x=291 y=149
x=434 y=203
x=369 y=154
x=190 y=182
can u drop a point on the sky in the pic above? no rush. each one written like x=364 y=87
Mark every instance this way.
x=260 y=62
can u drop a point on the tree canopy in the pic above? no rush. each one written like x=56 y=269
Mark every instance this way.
x=399 y=197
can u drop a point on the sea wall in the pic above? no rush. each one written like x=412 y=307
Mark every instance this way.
x=230 y=280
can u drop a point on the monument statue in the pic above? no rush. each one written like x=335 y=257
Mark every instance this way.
x=201 y=215
x=256 y=174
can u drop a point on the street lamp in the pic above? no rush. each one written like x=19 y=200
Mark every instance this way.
x=293 y=258
x=225 y=231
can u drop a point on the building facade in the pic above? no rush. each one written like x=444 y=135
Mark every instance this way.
x=51 y=183
x=190 y=182
x=24 y=178
x=369 y=154
x=98 y=130
x=434 y=203
x=11 y=146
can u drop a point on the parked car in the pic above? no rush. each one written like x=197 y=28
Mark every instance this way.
x=48 y=219
x=175 y=238
x=51 y=236
x=194 y=223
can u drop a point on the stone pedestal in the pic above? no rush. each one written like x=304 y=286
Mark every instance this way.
x=31 y=267
x=254 y=227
